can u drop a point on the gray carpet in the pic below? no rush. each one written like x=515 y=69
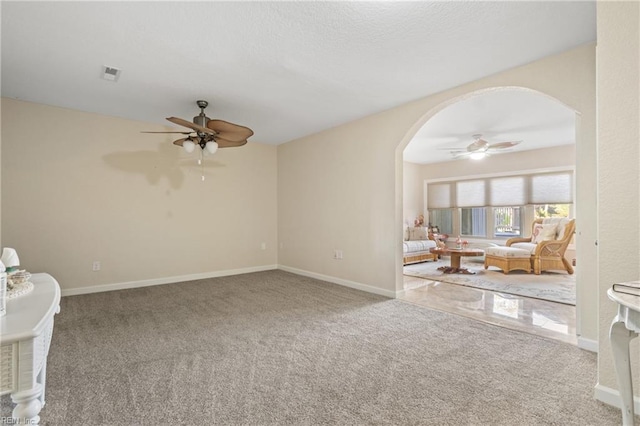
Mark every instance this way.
x=274 y=348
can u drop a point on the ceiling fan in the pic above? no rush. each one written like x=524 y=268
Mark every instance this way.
x=207 y=133
x=480 y=148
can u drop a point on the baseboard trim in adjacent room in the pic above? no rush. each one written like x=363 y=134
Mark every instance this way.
x=400 y=293
x=167 y=280
x=340 y=281
x=612 y=397
x=588 y=344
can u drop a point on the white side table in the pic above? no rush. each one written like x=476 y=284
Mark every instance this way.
x=25 y=335
x=625 y=326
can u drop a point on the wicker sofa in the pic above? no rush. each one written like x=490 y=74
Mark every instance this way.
x=417 y=245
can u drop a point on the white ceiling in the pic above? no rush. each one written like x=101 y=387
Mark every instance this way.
x=285 y=69
x=499 y=116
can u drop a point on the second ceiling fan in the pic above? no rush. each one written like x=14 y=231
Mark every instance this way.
x=480 y=148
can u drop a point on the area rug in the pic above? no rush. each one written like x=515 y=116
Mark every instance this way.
x=557 y=287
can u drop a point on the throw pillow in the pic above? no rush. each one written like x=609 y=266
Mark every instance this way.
x=536 y=232
x=547 y=232
x=418 y=233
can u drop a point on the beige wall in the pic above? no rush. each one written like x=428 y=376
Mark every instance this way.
x=412 y=192
x=331 y=188
x=618 y=167
x=80 y=187
x=343 y=188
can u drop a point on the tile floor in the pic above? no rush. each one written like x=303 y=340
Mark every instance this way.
x=534 y=316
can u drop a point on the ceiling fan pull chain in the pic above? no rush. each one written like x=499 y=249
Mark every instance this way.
x=201 y=164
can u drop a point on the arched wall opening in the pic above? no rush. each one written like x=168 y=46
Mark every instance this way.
x=584 y=286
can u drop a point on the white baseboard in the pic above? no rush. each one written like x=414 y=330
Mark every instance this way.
x=166 y=280
x=400 y=293
x=612 y=397
x=588 y=344
x=340 y=281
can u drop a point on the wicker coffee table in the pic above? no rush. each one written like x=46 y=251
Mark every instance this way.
x=456 y=255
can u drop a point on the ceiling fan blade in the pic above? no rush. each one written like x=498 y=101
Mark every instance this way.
x=190 y=125
x=478 y=145
x=229 y=131
x=224 y=143
x=179 y=141
x=503 y=145
x=181 y=133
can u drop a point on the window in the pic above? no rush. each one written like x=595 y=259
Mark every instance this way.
x=443 y=219
x=473 y=222
x=494 y=206
x=552 y=210
x=507 y=221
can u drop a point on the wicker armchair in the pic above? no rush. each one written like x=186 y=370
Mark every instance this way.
x=548 y=255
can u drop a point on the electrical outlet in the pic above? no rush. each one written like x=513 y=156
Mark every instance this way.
x=337 y=254
x=96 y=265
x=263 y=246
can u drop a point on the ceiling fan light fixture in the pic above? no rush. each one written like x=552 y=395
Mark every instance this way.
x=477 y=155
x=212 y=147
x=189 y=146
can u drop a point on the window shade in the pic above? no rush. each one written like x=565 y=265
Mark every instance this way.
x=439 y=195
x=552 y=188
x=508 y=191
x=504 y=191
x=470 y=193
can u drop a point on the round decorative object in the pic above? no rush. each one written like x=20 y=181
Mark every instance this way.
x=18 y=277
x=20 y=289
x=18 y=284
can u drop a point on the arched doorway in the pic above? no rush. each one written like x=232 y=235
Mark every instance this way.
x=580 y=172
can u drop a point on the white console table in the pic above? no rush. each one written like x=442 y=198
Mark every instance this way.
x=25 y=335
x=625 y=326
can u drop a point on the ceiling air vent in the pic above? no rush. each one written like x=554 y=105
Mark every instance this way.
x=110 y=73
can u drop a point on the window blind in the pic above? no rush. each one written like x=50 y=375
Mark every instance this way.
x=552 y=188
x=508 y=191
x=439 y=196
x=518 y=190
x=471 y=193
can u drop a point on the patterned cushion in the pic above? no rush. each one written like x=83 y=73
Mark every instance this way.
x=507 y=252
x=544 y=232
x=417 y=246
